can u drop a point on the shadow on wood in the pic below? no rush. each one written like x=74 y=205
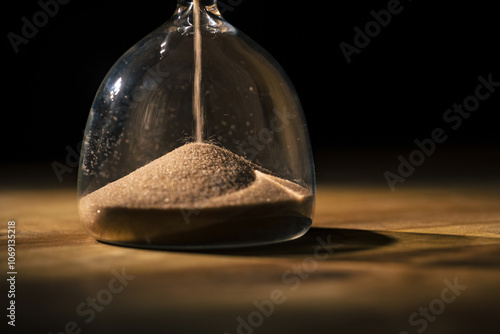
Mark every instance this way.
x=332 y=240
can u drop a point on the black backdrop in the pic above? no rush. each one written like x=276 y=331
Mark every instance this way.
x=395 y=90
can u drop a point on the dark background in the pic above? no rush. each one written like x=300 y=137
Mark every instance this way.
x=395 y=91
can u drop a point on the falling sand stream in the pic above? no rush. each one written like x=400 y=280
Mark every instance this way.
x=197 y=104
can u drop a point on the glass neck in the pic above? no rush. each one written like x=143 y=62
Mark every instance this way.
x=203 y=3
x=209 y=6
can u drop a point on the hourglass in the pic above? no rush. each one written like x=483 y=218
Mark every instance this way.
x=196 y=139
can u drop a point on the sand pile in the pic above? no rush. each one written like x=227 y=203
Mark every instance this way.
x=214 y=184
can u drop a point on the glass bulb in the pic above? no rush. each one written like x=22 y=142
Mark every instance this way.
x=196 y=139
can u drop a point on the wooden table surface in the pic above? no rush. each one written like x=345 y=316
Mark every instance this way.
x=425 y=258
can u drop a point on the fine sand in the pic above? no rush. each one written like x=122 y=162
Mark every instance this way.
x=190 y=189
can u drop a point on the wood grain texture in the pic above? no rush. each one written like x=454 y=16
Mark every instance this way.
x=390 y=254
